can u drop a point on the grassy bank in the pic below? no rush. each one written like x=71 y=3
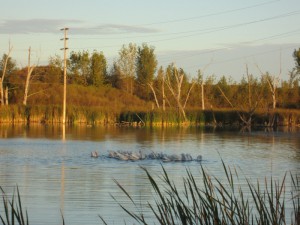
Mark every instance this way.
x=51 y=114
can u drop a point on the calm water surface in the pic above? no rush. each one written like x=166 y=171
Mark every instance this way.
x=55 y=174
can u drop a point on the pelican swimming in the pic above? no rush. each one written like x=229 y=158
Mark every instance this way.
x=121 y=156
x=94 y=154
x=199 y=158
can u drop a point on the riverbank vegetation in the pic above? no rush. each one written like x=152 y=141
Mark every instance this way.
x=136 y=91
x=208 y=200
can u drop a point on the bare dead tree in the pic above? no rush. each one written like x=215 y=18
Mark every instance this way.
x=161 y=74
x=273 y=82
x=202 y=84
x=6 y=95
x=3 y=74
x=154 y=93
x=29 y=72
x=189 y=92
x=163 y=92
x=245 y=113
x=176 y=90
x=249 y=86
x=246 y=120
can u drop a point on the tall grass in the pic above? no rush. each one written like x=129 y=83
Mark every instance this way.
x=112 y=114
x=218 y=201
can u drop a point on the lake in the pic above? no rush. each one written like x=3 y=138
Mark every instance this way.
x=55 y=173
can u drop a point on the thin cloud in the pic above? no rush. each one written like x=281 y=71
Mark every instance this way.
x=105 y=29
x=34 y=26
x=52 y=26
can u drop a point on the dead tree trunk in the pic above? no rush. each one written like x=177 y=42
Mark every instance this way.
x=201 y=76
x=245 y=118
x=163 y=93
x=29 y=72
x=6 y=96
x=154 y=93
x=202 y=95
x=3 y=75
x=273 y=82
x=177 y=92
x=188 y=94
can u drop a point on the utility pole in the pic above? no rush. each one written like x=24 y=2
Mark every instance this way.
x=163 y=92
x=65 y=73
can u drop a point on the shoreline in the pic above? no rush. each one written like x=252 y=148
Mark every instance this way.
x=97 y=116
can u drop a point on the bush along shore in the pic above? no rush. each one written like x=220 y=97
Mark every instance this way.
x=208 y=201
x=14 y=114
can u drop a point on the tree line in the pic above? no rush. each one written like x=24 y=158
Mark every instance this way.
x=135 y=80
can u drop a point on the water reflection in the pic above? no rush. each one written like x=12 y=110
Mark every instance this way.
x=56 y=175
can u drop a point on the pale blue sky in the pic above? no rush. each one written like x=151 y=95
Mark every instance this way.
x=225 y=35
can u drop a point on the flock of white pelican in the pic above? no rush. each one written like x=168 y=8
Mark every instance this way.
x=136 y=156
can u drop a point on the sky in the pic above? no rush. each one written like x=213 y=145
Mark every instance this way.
x=217 y=37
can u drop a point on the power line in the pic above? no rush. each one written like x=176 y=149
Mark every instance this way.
x=231 y=26
x=202 y=16
x=247 y=56
x=285 y=34
x=207 y=51
x=198 y=32
x=211 y=14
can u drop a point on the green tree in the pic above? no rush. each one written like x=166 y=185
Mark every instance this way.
x=97 y=69
x=114 y=77
x=55 y=70
x=210 y=90
x=296 y=56
x=224 y=87
x=248 y=92
x=294 y=74
x=146 y=65
x=293 y=82
x=11 y=65
x=79 y=67
x=127 y=66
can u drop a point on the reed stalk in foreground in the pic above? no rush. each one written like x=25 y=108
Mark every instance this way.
x=13 y=210
x=218 y=202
